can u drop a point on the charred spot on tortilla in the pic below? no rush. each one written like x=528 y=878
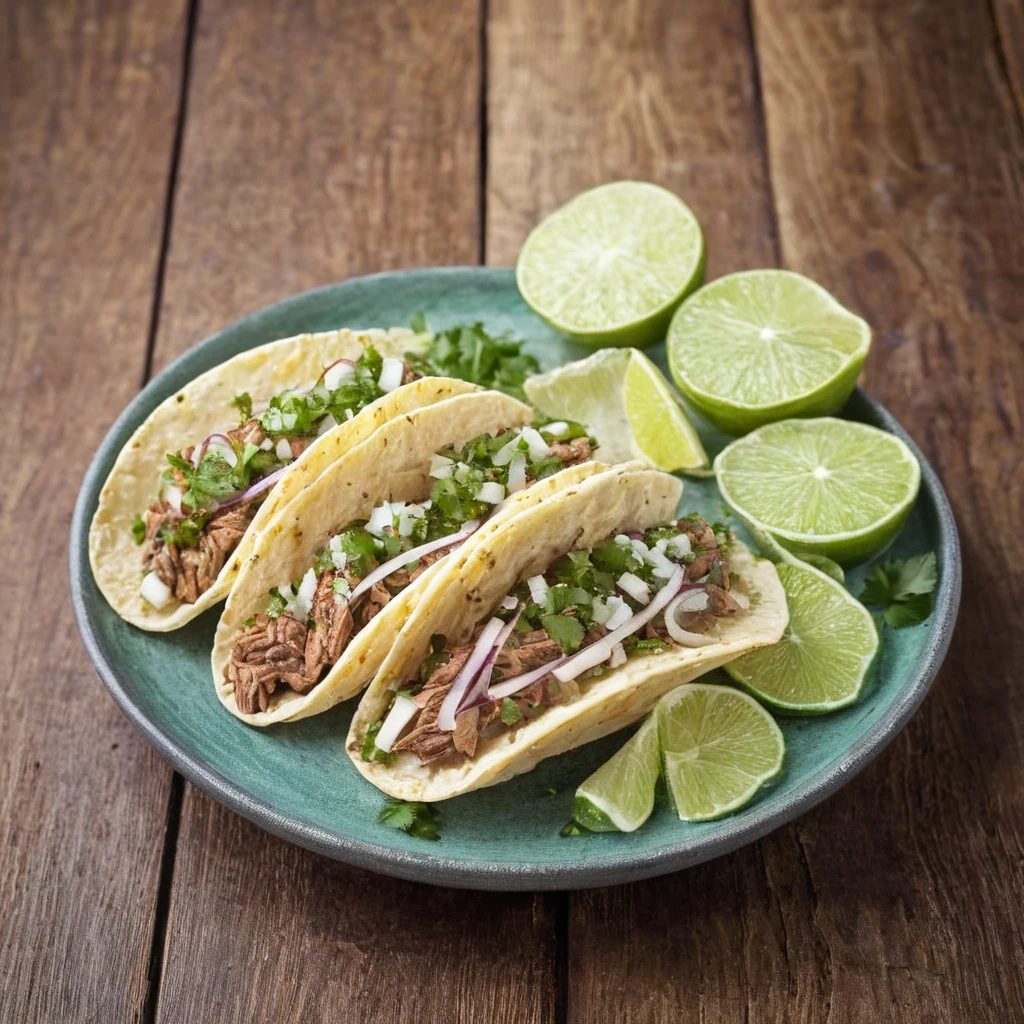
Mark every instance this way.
x=180 y=398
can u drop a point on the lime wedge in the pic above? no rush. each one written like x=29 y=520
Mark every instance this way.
x=718 y=747
x=764 y=345
x=626 y=404
x=610 y=266
x=824 y=656
x=826 y=486
x=619 y=796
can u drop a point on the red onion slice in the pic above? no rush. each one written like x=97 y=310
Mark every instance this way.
x=486 y=641
x=579 y=662
x=261 y=485
x=476 y=692
x=197 y=455
x=406 y=557
x=507 y=687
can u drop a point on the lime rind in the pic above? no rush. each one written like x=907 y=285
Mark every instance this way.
x=780 y=469
x=619 y=796
x=711 y=766
x=611 y=265
x=723 y=337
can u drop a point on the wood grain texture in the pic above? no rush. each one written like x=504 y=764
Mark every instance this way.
x=297 y=171
x=580 y=93
x=88 y=100
x=1009 y=54
x=324 y=140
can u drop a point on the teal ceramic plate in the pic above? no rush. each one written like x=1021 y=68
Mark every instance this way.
x=296 y=780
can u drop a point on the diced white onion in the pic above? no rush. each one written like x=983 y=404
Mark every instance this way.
x=350 y=414
x=154 y=590
x=266 y=444
x=639 y=549
x=634 y=587
x=503 y=456
x=510 y=603
x=283 y=450
x=618 y=656
x=172 y=495
x=517 y=473
x=679 y=547
x=339 y=559
x=538 y=589
x=663 y=566
x=621 y=613
x=289 y=419
x=391 y=373
x=401 y=714
x=599 y=611
x=492 y=492
x=624 y=540
x=300 y=605
x=538 y=447
x=461 y=472
x=327 y=423
x=336 y=374
x=407 y=519
x=440 y=467
x=558 y=429
x=382 y=518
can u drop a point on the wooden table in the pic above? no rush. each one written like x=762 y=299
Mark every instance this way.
x=169 y=165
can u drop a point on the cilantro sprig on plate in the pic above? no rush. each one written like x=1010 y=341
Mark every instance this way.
x=417 y=819
x=903 y=587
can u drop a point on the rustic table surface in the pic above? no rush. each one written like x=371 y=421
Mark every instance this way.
x=169 y=165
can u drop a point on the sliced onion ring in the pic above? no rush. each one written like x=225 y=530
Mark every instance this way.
x=197 y=455
x=406 y=557
x=476 y=692
x=507 y=687
x=486 y=641
x=684 y=637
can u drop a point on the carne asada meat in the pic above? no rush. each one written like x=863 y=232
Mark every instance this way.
x=573 y=452
x=266 y=653
x=332 y=626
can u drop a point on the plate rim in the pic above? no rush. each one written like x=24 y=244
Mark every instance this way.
x=453 y=872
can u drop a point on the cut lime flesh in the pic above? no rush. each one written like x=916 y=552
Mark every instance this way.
x=719 y=746
x=825 y=654
x=627 y=405
x=765 y=345
x=829 y=487
x=610 y=266
x=619 y=796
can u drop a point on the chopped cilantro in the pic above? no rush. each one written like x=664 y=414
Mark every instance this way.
x=470 y=353
x=573 y=828
x=418 y=323
x=566 y=631
x=139 y=529
x=652 y=643
x=186 y=533
x=417 y=819
x=370 y=751
x=243 y=403
x=904 y=588
x=510 y=713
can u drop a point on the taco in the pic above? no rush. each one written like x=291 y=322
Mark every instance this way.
x=333 y=575
x=565 y=624
x=191 y=489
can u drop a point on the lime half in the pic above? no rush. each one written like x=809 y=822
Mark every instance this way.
x=718 y=748
x=824 y=656
x=619 y=796
x=626 y=404
x=610 y=266
x=764 y=345
x=826 y=486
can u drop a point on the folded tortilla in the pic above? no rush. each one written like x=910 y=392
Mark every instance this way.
x=475 y=582
x=393 y=464
x=203 y=407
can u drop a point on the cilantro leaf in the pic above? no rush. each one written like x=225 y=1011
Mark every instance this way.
x=243 y=403
x=139 y=528
x=573 y=828
x=418 y=323
x=566 y=631
x=911 y=612
x=417 y=819
x=510 y=713
x=470 y=353
x=903 y=587
x=370 y=751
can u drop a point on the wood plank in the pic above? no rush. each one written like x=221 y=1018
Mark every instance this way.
x=291 y=177
x=88 y=101
x=897 y=160
x=582 y=93
x=1009 y=20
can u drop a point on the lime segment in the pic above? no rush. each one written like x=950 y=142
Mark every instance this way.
x=824 y=656
x=626 y=403
x=610 y=266
x=719 y=747
x=619 y=796
x=764 y=345
x=826 y=486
